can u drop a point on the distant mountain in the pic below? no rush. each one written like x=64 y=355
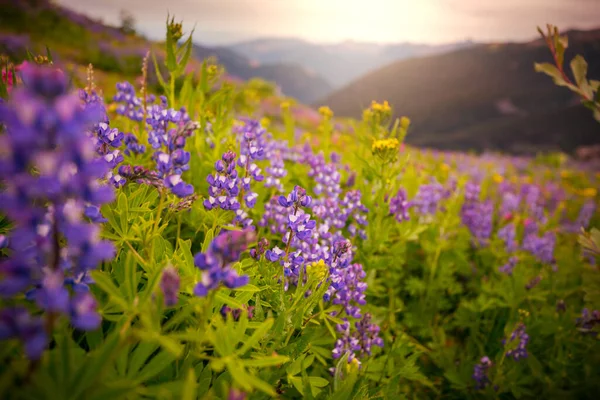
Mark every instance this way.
x=338 y=63
x=483 y=97
x=293 y=79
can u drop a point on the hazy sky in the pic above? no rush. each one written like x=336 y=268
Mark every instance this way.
x=425 y=21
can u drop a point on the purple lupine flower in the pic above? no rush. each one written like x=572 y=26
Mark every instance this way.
x=223 y=186
x=400 y=206
x=583 y=219
x=533 y=282
x=17 y=323
x=588 y=321
x=509 y=266
x=480 y=373
x=357 y=344
x=348 y=289
x=478 y=218
x=260 y=249
x=106 y=140
x=427 y=200
x=237 y=312
x=132 y=145
x=52 y=245
x=354 y=211
x=169 y=285
x=168 y=130
x=83 y=312
x=236 y=394
x=131 y=105
x=216 y=262
x=508 y=234
x=510 y=204
x=297 y=198
x=517 y=343
x=275 y=172
x=541 y=247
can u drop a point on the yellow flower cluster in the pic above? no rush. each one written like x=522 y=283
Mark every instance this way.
x=212 y=70
x=386 y=149
x=317 y=269
x=588 y=192
x=381 y=108
x=326 y=112
x=285 y=105
x=265 y=122
x=498 y=178
x=377 y=112
x=385 y=145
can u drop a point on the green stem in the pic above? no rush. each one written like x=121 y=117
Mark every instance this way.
x=156 y=223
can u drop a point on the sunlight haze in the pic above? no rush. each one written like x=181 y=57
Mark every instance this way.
x=423 y=21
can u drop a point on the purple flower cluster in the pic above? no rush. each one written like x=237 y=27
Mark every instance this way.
x=428 y=198
x=357 y=343
x=541 y=247
x=477 y=215
x=236 y=313
x=508 y=234
x=130 y=105
x=168 y=130
x=228 y=187
x=169 y=285
x=216 y=262
x=509 y=266
x=400 y=206
x=518 y=342
x=52 y=246
x=348 y=289
x=480 y=372
x=106 y=140
x=583 y=219
x=588 y=321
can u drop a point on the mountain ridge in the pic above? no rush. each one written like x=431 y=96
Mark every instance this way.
x=484 y=97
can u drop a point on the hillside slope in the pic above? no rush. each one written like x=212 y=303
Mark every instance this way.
x=484 y=97
x=293 y=79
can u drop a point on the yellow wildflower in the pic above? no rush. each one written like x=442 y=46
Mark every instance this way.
x=498 y=178
x=445 y=167
x=404 y=122
x=565 y=173
x=318 y=269
x=285 y=105
x=589 y=192
x=325 y=112
x=265 y=122
x=386 y=149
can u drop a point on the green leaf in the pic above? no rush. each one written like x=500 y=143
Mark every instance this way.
x=190 y=386
x=208 y=240
x=579 y=67
x=230 y=301
x=171 y=62
x=258 y=334
x=92 y=371
x=266 y=361
x=105 y=282
x=158 y=73
x=123 y=208
x=186 y=55
x=155 y=366
x=551 y=71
